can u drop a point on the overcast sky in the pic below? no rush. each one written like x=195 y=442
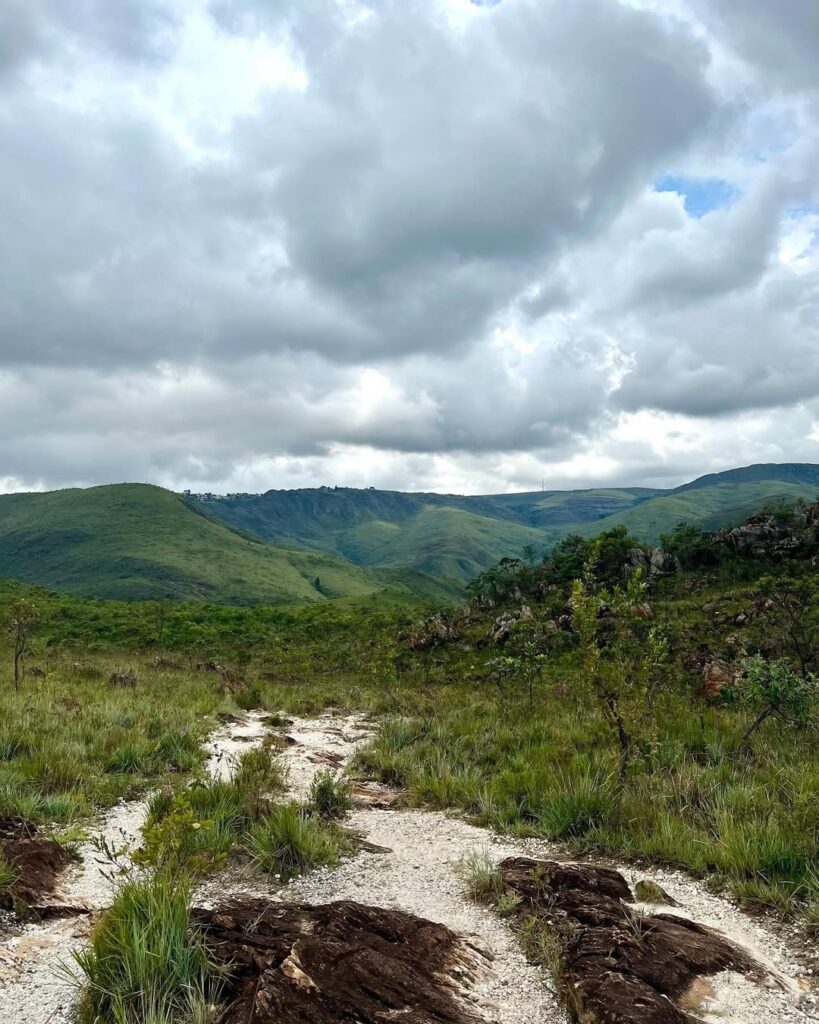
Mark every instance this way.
x=422 y=244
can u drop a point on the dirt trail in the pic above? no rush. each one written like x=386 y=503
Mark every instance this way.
x=416 y=871
x=35 y=987
x=418 y=874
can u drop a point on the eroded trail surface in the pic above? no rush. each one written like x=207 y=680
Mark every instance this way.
x=35 y=959
x=416 y=872
x=408 y=863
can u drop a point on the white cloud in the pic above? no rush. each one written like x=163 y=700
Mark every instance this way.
x=413 y=244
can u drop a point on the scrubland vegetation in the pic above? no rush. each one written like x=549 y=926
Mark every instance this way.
x=668 y=716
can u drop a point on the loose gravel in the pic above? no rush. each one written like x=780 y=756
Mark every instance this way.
x=36 y=983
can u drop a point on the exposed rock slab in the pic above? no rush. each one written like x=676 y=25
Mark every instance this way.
x=37 y=861
x=336 y=962
x=617 y=965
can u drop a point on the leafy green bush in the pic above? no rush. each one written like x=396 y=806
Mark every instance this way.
x=771 y=689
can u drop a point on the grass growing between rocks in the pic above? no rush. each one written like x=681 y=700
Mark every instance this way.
x=289 y=841
x=693 y=800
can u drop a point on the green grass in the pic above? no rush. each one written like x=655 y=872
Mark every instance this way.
x=329 y=797
x=708 y=507
x=198 y=825
x=8 y=876
x=144 y=964
x=289 y=841
x=136 y=541
x=72 y=742
x=698 y=803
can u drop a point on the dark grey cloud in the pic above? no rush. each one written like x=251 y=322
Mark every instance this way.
x=244 y=235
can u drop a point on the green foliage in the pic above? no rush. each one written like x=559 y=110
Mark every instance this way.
x=771 y=689
x=180 y=839
x=8 y=876
x=144 y=964
x=289 y=841
x=693 y=548
x=329 y=797
x=481 y=878
x=620 y=663
x=136 y=541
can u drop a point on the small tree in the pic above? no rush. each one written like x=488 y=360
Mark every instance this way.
x=162 y=610
x=621 y=666
x=773 y=690
x=526 y=666
x=794 y=616
x=22 y=624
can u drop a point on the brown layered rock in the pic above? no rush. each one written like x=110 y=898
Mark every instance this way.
x=37 y=862
x=335 y=962
x=617 y=966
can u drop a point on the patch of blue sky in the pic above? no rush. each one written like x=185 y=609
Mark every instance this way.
x=700 y=195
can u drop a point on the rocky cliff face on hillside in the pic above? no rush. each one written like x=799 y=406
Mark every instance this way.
x=775 y=534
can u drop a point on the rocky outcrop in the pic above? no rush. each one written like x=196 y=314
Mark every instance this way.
x=768 y=535
x=36 y=861
x=336 y=962
x=431 y=632
x=616 y=966
x=718 y=676
x=501 y=628
x=652 y=560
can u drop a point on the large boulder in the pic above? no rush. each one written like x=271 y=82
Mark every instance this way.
x=617 y=966
x=718 y=676
x=653 y=561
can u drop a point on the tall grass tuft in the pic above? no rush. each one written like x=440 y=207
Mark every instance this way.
x=144 y=964
x=288 y=842
x=329 y=798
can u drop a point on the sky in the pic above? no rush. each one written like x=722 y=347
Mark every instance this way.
x=415 y=244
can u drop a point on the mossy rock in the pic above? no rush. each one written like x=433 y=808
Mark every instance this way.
x=647 y=891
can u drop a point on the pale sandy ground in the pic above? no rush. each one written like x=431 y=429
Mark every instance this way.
x=417 y=873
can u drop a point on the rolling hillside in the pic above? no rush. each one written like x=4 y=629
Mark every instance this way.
x=456 y=536
x=136 y=541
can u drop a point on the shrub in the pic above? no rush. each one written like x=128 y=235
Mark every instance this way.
x=180 y=839
x=259 y=774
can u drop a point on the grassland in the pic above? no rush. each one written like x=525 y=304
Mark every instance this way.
x=137 y=542
x=511 y=736
x=695 y=797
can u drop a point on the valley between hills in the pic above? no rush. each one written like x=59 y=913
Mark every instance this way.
x=336 y=755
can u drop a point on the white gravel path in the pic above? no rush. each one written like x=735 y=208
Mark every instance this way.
x=419 y=875
x=35 y=984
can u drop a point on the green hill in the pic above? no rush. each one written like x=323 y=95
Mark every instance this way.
x=708 y=507
x=136 y=541
x=457 y=536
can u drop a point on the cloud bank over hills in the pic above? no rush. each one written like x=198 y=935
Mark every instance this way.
x=425 y=244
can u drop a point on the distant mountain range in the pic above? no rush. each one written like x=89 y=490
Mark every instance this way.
x=136 y=541
x=456 y=537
